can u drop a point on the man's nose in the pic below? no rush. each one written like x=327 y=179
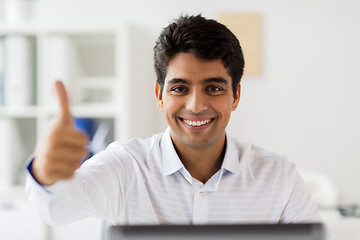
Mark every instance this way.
x=196 y=102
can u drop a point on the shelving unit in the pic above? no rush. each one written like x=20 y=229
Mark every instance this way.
x=86 y=59
x=97 y=64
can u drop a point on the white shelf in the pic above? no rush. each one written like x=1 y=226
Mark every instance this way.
x=97 y=82
x=86 y=111
x=96 y=111
x=19 y=112
x=19 y=29
x=36 y=29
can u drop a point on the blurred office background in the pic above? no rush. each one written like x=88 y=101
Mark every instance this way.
x=304 y=102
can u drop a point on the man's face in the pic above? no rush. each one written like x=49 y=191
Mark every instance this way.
x=197 y=101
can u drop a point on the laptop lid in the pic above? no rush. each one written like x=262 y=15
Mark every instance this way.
x=217 y=232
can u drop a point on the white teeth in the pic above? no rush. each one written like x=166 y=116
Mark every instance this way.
x=196 y=123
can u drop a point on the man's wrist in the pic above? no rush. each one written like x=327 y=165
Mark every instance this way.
x=29 y=168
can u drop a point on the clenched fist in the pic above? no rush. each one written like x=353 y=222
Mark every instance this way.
x=62 y=149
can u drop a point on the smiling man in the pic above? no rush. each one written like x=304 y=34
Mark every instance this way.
x=197 y=99
x=194 y=172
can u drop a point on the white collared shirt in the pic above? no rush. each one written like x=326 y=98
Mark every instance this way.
x=145 y=182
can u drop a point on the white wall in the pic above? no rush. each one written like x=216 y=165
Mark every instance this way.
x=305 y=103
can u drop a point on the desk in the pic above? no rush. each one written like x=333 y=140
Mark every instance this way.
x=16 y=211
x=18 y=220
x=341 y=228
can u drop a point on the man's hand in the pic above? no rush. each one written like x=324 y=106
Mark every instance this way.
x=62 y=149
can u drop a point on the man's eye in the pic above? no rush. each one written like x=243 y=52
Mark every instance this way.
x=214 y=89
x=178 y=89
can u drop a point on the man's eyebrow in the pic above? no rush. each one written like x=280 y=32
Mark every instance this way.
x=177 y=80
x=216 y=80
x=205 y=81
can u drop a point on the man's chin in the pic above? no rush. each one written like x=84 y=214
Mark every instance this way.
x=198 y=143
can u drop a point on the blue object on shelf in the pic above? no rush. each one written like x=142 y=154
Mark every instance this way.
x=85 y=124
x=88 y=126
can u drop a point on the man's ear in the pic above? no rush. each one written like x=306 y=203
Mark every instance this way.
x=237 y=97
x=158 y=95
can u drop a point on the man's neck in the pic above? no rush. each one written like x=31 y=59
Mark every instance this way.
x=202 y=163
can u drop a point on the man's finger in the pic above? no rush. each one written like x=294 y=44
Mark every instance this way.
x=65 y=114
x=70 y=138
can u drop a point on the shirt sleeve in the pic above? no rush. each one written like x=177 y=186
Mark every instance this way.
x=300 y=207
x=97 y=189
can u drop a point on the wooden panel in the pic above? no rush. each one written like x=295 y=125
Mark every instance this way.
x=247 y=28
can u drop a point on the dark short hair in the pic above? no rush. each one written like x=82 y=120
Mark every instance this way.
x=206 y=39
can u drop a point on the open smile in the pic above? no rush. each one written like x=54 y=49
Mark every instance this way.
x=197 y=123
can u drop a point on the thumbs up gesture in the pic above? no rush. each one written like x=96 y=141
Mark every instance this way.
x=61 y=151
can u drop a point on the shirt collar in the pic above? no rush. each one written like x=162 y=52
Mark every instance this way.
x=236 y=160
x=238 y=157
x=170 y=160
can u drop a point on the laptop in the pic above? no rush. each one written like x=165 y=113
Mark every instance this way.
x=216 y=232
